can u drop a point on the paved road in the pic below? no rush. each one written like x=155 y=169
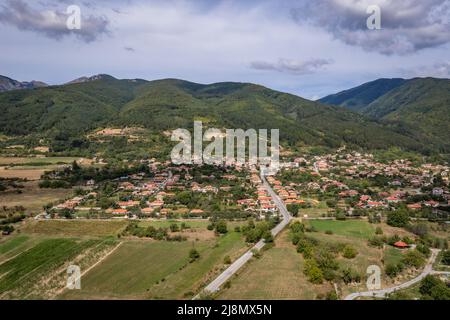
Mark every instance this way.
x=215 y=285
x=382 y=293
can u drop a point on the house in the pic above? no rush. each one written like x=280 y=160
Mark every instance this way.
x=432 y=203
x=127 y=204
x=147 y=211
x=414 y=206
x=120 y=211
x=197 y=211
x=392 y=199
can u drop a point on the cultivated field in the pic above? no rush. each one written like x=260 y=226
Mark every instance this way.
x=74 y=228
x=148 y=269
x=36 y=272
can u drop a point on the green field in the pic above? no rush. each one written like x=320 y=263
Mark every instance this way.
x=392 y=256
x=155 y=269
x=349 y=228
x=20 y=275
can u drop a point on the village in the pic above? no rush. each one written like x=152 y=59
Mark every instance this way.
x=342 y=184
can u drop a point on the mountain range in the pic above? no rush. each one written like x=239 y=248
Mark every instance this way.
x=419 y=105
x=72 y=110
x=7 y=84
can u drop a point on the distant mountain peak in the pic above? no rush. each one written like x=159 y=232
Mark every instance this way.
x=8 y=84
x=92 y=78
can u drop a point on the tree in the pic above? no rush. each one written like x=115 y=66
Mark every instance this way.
x=313 y=272
x=221 y=227
x=427 y=284
x=193 y=255
x=399 y=218
x=174 y=227
x=293 y=209
x=446 y=257
x=267 y=236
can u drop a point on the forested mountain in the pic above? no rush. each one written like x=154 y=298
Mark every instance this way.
x=420 y=106
x=360 y=97
x=75 y=109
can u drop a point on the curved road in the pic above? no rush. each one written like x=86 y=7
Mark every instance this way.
x=383 y=292
x=215 y=285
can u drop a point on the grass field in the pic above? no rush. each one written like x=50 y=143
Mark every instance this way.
x=22 y=173
x=32 y=197
x=278 y=274
x=351 y=228
x=74 y=228
x=23 y=272
x=392 y=255
x=146 y=269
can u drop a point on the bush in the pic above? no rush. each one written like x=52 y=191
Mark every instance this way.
x=378 y=231
x=193 y=255
x=376 y=242
x=313 y=272
x=414 y=259
x=446 y=257
x=350 y=276
x=328 y=232
x=227 y=260
x=349 y=252
x=424 y=249
x=392 y=270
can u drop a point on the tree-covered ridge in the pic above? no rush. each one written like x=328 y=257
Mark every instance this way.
x=75 y=109
x=360 y=97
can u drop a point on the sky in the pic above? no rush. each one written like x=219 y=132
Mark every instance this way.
x=308 y=48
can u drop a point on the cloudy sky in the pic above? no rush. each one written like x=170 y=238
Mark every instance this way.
x=309 y=48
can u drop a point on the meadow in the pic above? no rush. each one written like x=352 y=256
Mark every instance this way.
x=350 y=228
x=278 y=274
x=32 y=197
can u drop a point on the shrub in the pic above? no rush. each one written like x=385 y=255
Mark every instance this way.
x=313 y=272
x=350 y=276
x=446 y=257
x=349 y=252
x=414 y=259
x=193 y=255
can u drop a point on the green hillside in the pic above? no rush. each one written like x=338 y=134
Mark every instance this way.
x=70 y=112
x=360 y=97
x=420 y=104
